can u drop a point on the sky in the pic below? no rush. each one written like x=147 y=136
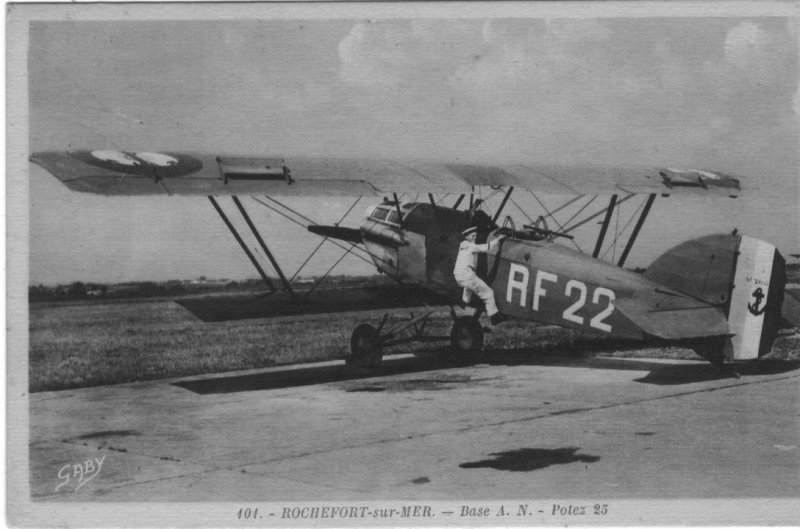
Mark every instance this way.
x=711 y=93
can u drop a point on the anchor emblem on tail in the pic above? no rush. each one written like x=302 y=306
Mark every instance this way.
x=759 y=296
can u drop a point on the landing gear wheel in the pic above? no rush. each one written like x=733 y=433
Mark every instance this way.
x=366 y=348
x=466 y=335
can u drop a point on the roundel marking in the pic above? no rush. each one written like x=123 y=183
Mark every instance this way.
x=117 y=157
x=151 y=164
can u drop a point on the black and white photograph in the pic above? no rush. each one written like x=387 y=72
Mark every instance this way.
x=403 y=264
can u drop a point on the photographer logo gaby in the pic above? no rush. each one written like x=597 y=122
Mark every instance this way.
x=79 y=473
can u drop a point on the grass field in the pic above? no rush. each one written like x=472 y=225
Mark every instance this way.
x=86 y=343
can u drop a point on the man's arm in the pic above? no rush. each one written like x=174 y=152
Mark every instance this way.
x=486 y=247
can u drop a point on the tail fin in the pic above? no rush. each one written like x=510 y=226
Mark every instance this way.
x=756 y=301
x=743 y=275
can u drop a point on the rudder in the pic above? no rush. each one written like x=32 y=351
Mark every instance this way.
x=756 y=299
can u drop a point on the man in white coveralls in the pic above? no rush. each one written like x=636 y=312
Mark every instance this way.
x=464 y=272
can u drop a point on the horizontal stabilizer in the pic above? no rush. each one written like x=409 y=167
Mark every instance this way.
x=672 y=316
x=335 y=232
x=322 y=301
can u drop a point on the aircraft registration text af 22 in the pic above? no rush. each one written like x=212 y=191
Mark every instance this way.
x=723 y=295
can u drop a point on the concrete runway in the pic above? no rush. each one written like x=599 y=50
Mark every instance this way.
x=503 y=427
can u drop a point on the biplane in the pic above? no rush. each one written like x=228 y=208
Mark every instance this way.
x=723 y=295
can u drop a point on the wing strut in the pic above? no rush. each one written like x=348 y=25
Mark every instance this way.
x=242 y=243
x=604 y=228
x=635 y=233
x=587 y=219
x=502 y=204
x=399 y=213
x=263 y=245
x=435 y=209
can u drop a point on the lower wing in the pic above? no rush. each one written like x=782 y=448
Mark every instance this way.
x=327 y=300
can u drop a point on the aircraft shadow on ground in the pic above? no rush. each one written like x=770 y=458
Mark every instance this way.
x=529 y=459
x=304 y=376
x=657 y=373
x=685 y=374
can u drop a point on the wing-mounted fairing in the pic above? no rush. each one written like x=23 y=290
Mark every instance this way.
x=107 y=172
x=696 y=178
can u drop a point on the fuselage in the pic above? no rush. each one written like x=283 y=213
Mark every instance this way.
x=533 y=280
x=415 y=243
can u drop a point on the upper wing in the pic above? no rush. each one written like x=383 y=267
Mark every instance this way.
x=108 y=172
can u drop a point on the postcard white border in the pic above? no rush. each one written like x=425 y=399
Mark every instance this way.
x=24 y=512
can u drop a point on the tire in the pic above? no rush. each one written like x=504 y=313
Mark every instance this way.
x=466 y=335
x=366 y=349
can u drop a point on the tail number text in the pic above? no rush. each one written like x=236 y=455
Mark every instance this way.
x=518 y=276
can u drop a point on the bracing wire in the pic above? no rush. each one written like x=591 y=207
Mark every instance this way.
x=580 y=211
x=346 y=213
x=625 y=227
x=564 y=205
x=321 y=279
x=590 y=217
x=511 y=199
x=335 y=243
x=300 y=268
x=550 y=215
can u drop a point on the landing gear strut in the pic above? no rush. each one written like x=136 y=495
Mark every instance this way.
x=466 y=335
x=367 y=342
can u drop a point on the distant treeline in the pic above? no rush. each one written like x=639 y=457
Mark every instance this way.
x=175 y=287
x=181 y=287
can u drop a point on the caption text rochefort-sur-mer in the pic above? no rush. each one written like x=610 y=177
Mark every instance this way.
x=361 y=512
